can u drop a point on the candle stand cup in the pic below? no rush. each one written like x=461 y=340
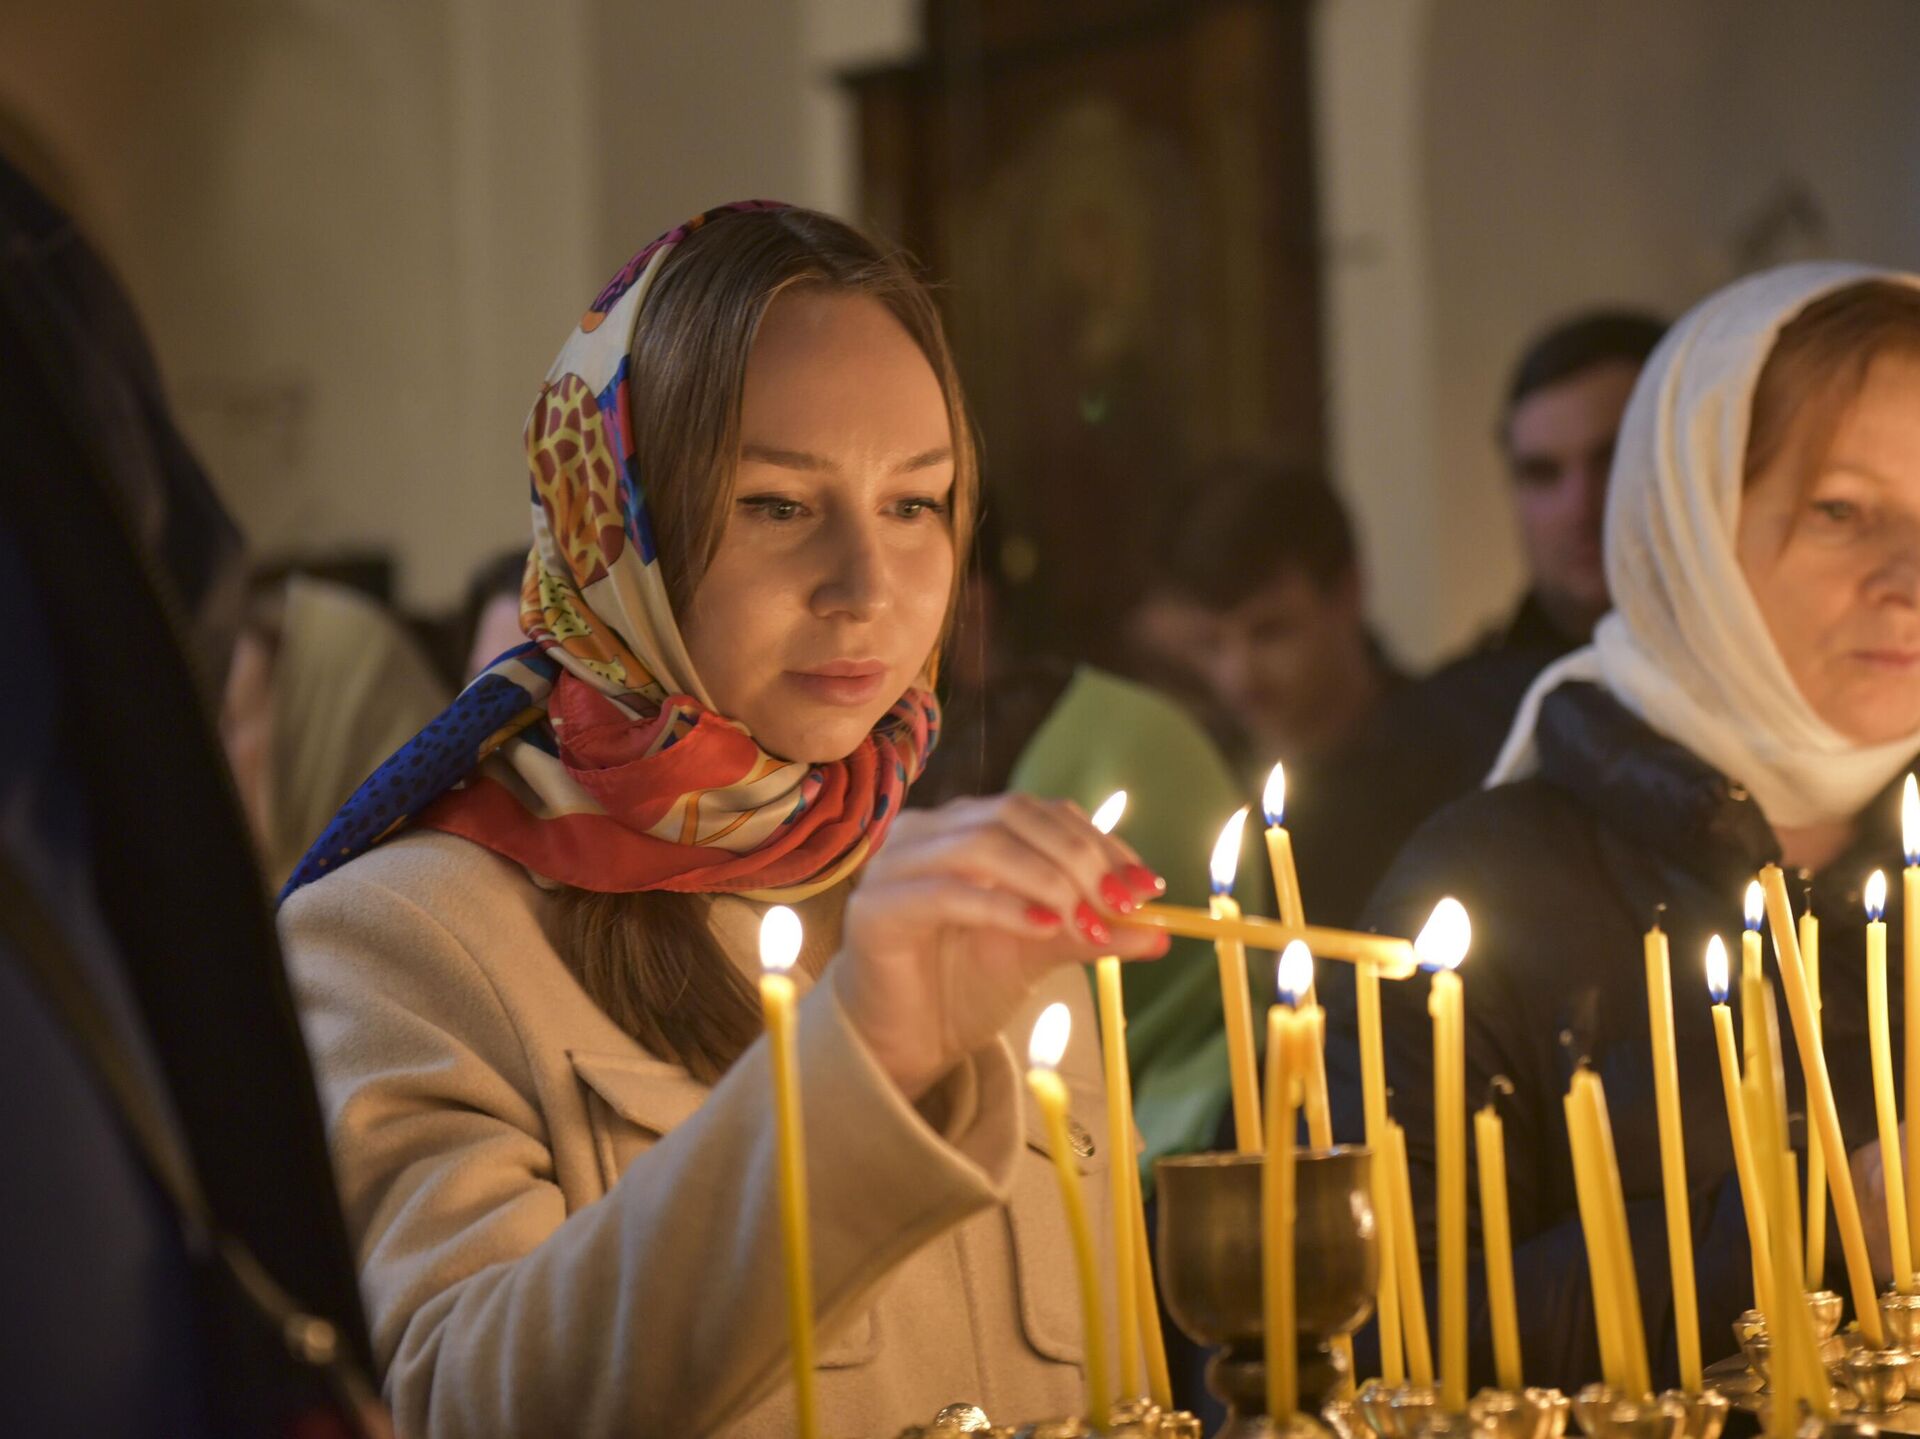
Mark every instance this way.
x=1397 y=1411
x=1877 y=1378
x=1533 y=1413
x=1825 y=1307
x=1841 y=1426
x=1211 y=1279
x=1901 y=1315
x=1606 y=1413
x=1704 y=1414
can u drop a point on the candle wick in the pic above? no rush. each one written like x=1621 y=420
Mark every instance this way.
x=1496 y=1087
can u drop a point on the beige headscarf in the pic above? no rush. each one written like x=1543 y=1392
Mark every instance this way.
x=349 y=688
x=1685 y=647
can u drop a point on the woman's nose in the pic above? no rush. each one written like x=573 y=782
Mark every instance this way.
x=853 y=583
x=1896 y=579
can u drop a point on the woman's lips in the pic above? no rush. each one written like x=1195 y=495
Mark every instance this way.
x=844 y=682
x=1900 y=660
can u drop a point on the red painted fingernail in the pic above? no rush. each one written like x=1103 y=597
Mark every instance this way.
x=1089 y=925
x=1113 y=889
x=1046 y=918
x=1144 y=881
x=1162 y=942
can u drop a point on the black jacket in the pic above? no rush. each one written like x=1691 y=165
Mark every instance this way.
x=1562 y=875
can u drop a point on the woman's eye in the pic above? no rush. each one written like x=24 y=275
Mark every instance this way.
x=1838 y=512
x=920 y=505
x=771 y=507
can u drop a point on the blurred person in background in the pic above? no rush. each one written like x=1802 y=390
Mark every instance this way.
x=324 y=685
x=174 y=1260
x=1556 y=433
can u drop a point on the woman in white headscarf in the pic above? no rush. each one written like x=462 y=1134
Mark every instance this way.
x=1754 y=698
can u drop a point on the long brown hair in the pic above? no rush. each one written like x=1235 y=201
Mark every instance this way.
x=649 y=959
x=1819 y=363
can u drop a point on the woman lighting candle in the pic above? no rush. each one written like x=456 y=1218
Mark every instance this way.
x=1442 y=944
x=779 y=947
x=1044 y=1050
x=1885 y=1111
x=1235 y=1003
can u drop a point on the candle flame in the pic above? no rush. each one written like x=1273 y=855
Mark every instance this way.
x=1049 y=1041
x=1108 y=815
x=1273 y=799
x=1296 y=972
x=1226 y=852
x=1756 y=904
x=1877 y=894
x=779 y=939
x=1910 y=820
x=1444 y=939
x=1717 y=969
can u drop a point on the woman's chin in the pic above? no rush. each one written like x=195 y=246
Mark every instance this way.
x=1875 y=713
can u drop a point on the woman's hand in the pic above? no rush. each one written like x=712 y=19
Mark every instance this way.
x=964 y=910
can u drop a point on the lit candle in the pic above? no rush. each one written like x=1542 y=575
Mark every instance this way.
x=1235 y=1003
x=1797 y=1373
x=1496 y=1243
x=1880 y=1042
x=1373 y=1094
x=1816 y=1157
x=1289 y=1040
x=779 y=948
x=1752 y=1196
x=1441 y=946
x=1292 y=911
x=1910 y=925
x=1820 y=1103
x=1120 y=1146
x=1752 y=968
x=1673 y=1158
x=1406 y=1260
x=1391 y=956
x=1044 y=1050
x=1610 y=1249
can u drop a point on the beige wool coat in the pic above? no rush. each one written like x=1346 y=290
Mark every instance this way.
x=560 y=1234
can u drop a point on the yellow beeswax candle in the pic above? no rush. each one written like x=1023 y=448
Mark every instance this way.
x=1235 y=1002
x=1120 y=1146
x=1044 y=1051
x=1373 y=1094
x=1800 y=1374
x=1392 y=956
x=1816 y=1157
x=1821 y=1106
x=1288 y=1038
x=1292 y=910
x=1153 y=1340
x=1591 y=1096
x=780 y=937
x=1441 y=946
x=1880 y=1044
x=1496 y=1244
x=1752 y=1195
x=1910 y=988
x=1752 y=966
x=1406 y=1260
x=1673 y=1158
x=1601 y=1274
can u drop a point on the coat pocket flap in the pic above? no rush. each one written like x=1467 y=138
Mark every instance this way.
x=650 y=1093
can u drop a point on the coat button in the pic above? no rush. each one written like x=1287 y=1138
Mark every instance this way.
x=1081 y=1140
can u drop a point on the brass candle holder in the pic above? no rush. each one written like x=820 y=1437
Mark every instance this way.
x=1210 y=1262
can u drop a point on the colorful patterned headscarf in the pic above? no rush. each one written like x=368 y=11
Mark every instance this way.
x=592 y=754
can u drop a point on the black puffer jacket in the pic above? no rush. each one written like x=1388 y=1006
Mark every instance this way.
x=1562 y=875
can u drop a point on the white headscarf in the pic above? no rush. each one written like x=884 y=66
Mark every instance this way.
x=1685 y=647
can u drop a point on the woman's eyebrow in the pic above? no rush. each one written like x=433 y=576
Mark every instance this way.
x=806 y=460
x=1865 y=472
